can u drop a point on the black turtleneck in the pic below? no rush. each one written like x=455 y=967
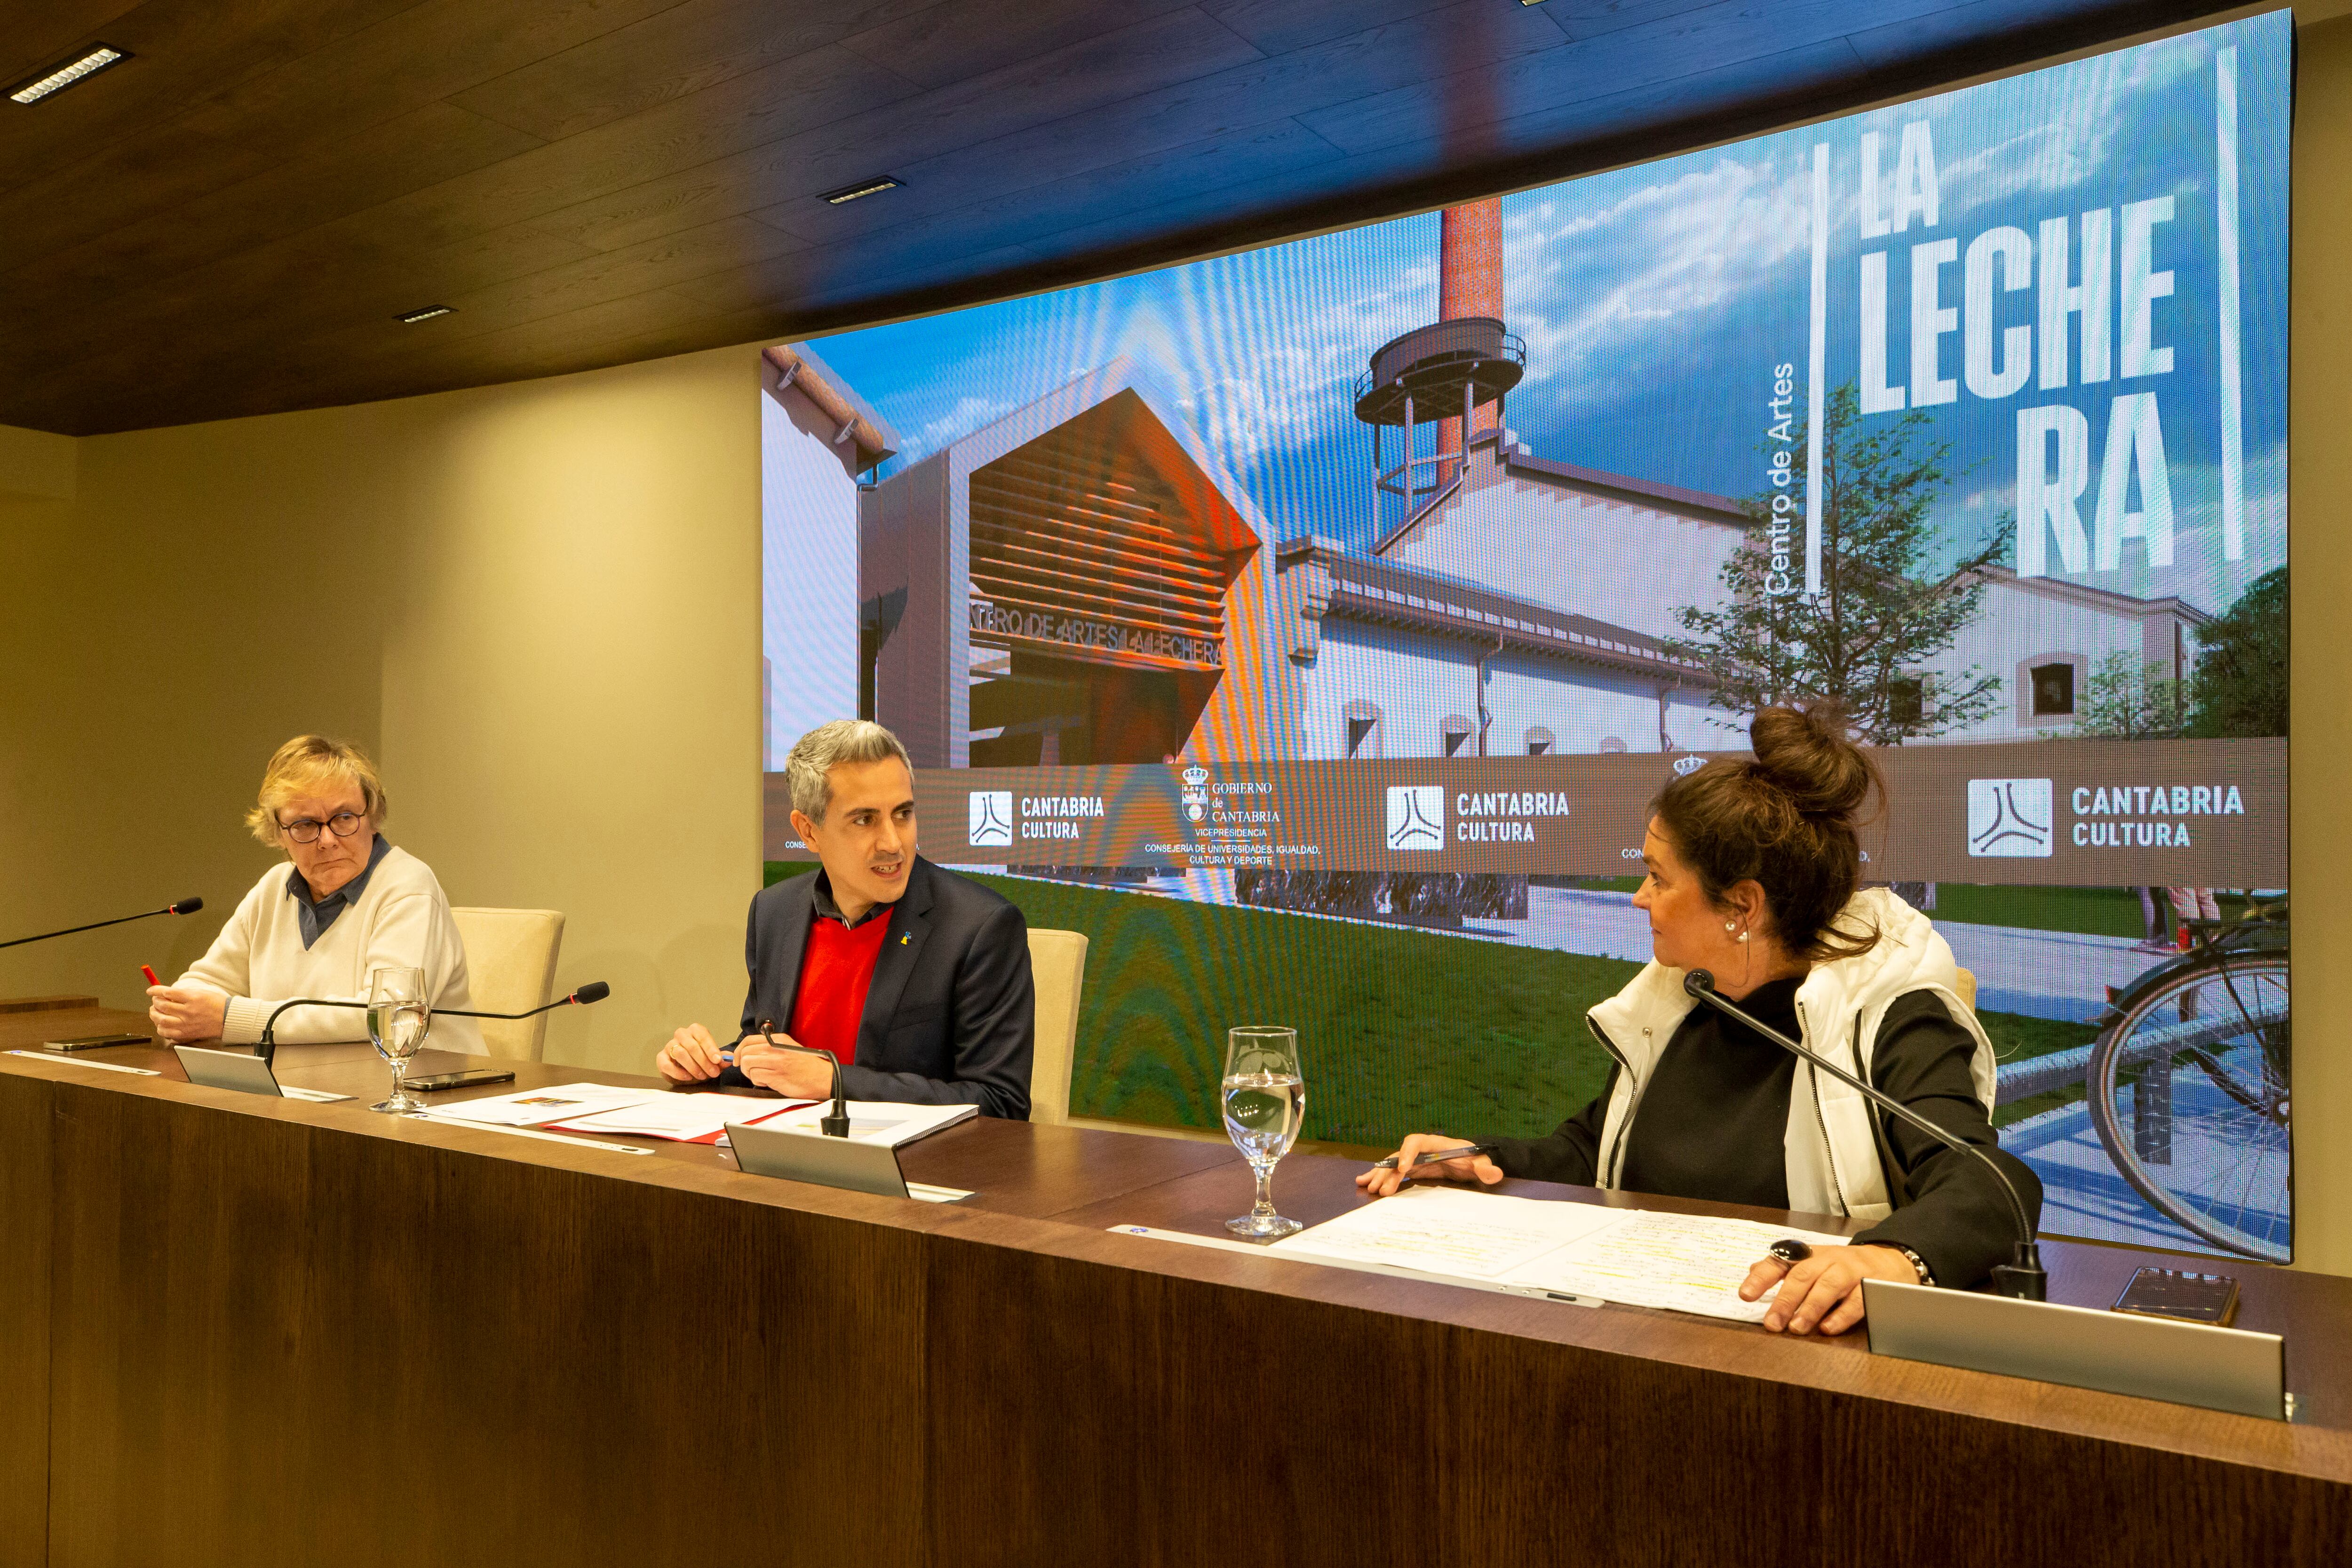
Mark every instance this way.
x=1716 y=1113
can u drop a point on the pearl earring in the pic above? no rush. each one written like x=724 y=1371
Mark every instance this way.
x=1730 y=925
x=1743 y=936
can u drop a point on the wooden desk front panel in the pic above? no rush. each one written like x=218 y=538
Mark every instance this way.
x=278 y=1342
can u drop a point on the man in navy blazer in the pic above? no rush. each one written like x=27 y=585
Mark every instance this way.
x=917 y=979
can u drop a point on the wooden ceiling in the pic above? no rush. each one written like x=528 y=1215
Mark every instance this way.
x=229 y=222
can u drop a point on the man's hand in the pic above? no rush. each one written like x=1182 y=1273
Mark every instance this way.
x=184 y=1013
x=795 y=1075
x=1824 y=1293
x=691 y=1056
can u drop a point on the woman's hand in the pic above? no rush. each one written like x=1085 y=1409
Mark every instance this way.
x=184 y=1013
x=1380 y=1183
x=1823 y=1293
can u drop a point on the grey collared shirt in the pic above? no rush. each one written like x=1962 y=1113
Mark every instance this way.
x=316 y=915
x=821 y=896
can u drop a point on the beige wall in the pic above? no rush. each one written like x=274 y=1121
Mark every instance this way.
x=538 y=604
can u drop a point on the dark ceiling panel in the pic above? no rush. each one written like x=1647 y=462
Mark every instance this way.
x=269 y=182
x=674 y=55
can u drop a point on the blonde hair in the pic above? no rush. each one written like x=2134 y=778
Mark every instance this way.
x=304 y=762
x=808 y=770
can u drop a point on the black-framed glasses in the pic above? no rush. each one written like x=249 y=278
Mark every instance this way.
x=305 y=830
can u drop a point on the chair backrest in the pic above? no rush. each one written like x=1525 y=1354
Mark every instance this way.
x=510 y=965
x=1968 y=987
x=1057 y=965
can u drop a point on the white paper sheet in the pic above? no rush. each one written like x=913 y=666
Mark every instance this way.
x=1450 y=1231
x=680 y=1117
x=534 y=1107
x=1688 y=1263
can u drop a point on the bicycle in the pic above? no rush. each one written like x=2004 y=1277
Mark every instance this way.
x=2187 y=1088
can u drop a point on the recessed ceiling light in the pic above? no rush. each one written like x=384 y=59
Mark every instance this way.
x=94 y=59
x=427 y=314
x=862 y=188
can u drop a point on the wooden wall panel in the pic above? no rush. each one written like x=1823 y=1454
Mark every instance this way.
x=25 y=1206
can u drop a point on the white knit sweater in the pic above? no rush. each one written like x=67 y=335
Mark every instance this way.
x=400 y=921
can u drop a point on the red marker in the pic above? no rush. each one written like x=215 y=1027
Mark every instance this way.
x=150 y=974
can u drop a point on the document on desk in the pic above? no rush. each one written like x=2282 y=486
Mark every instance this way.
x=682 y=1118
x=537 y=1106
x=1449 y=1231
x=883 y=1121
x=1687 y=1263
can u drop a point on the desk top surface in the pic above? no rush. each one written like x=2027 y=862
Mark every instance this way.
x=1058 y=1189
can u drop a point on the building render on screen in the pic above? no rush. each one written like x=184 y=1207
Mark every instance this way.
x=1081 y=581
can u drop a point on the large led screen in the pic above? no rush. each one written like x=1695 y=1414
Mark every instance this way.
x=1310 y=627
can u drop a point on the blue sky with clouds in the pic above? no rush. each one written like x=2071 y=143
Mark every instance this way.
x=1656 y=301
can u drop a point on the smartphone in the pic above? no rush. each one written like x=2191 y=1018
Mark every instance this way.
x=95 y=1042
x=2178 y=1293
x=466 y=1079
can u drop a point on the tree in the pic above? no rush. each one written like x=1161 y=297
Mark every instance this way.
x=2239 y=688
x=1879 y=617
x=2127 y=700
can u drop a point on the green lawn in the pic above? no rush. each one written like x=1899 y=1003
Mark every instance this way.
x=1402 y=1030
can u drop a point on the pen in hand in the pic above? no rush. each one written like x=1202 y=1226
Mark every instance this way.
x=767 y=1027
x=1435 y=1156
x=148 y=969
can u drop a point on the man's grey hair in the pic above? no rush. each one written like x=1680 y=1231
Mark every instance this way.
x=808 y=770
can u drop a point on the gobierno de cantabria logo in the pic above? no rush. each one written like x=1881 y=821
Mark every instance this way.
x=1416 y=817
x=2011 y=818
x=991 y=819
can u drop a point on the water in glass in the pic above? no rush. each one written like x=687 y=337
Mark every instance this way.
x=398 y=1019
x=1264 y=1097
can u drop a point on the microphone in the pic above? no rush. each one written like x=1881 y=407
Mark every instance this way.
x=834 y=1124
x=185 y=907
x=594 y=991
x=2022 y=1278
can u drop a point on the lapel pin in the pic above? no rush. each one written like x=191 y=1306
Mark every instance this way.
x=905 y=937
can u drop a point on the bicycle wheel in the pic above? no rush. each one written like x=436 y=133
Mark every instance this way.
x=2189 y=1093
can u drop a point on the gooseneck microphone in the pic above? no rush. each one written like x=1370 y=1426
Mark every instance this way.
x=2022 y=1278
x=834 y=1124
x=185 y=907
x=594 y=991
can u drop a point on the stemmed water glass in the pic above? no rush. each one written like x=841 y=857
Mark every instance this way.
x=1265 y=1096
x=398 y=1018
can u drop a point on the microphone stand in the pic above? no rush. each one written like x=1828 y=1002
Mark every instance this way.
x=2022 y=1278
x=268 y=1048
x=192 y=906
x=836 y=1123
x=594 y=991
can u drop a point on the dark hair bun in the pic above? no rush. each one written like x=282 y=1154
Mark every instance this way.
x=1806 y=754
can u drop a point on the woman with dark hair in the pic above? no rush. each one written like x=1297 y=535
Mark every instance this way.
x=1754 y=874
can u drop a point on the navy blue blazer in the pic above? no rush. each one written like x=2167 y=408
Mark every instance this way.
x=951 y=1013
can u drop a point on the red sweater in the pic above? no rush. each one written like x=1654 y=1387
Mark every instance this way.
x=835 y=971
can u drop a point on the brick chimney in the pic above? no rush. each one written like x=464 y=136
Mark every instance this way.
x=1470 y=283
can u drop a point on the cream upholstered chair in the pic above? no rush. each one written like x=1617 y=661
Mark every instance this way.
x=1057 y=965
x=510 y=965
x=1968 y=987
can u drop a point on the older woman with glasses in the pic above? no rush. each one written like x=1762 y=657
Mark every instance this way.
x=351 y=905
